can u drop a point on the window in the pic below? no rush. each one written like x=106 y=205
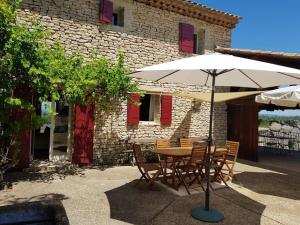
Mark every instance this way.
x=150 y=108
x=195 y=46
x=118 y=17
x=199 y=41
x=111 y=13
x=153 y=108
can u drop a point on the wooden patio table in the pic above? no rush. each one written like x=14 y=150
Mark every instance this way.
x=177 y=154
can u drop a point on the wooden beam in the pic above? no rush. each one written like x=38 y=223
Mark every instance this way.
x=194 y=10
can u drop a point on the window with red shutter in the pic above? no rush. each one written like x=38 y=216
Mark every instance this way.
x=106 y=11
x=186 y=37
x=133 y=111
x=166 y=110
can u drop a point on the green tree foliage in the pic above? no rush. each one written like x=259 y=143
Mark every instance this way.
x=27 y=59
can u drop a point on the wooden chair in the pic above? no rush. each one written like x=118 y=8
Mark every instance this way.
x=186 y=142
x=165 y=162
x=217 y=163
x=233 y=147
x=146 y=168
x=195 y=166
x=163 y=143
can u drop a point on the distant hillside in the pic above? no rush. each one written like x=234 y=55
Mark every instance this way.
x=266 y=120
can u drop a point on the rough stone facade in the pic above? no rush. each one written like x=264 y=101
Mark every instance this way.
x=149 y=36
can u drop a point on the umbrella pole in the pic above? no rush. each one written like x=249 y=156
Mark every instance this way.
x=209 y=143
x=208 y=214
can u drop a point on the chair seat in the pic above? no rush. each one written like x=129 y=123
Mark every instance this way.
x=186 y=167
x=151 y=166
x=229 y=162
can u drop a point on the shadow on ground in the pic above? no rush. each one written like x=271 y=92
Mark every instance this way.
x=139 y=205
x=135 y=203
x=46 y=177
x=38 y=198
x=275 y=181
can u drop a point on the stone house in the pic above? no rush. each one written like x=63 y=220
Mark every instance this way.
x=149 y=32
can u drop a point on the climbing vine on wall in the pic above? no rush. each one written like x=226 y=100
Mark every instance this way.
x=28 y=60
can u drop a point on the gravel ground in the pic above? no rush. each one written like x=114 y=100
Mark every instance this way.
x=258 y=195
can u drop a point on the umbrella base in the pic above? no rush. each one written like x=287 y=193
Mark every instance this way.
x=211 y=215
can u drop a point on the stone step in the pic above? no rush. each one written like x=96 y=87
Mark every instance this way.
x=46 y=166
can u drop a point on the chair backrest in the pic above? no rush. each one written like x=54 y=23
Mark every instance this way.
x=233 y=147
x=198 y=154
x=186 y=142
x=138 y=155
x=163 y=143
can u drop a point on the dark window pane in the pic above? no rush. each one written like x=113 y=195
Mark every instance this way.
x=115 y=19
x=195 y=49
x=145 y=108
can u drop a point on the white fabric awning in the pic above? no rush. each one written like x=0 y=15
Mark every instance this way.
x=288 y=96
x=201 y=96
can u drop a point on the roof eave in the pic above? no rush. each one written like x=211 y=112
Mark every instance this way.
x=195 y=10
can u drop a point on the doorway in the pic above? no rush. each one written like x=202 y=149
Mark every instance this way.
x=52 y=141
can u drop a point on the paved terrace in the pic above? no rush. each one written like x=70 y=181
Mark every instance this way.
x=260 y=195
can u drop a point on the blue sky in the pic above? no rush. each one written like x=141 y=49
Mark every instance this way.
x=266 y=25
x=272 y=25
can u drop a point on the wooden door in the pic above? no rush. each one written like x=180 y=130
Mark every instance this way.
x=25 y=93
x=83 y=134
x=243 y=127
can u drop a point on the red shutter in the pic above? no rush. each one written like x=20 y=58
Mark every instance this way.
x=133 y=111
x=186 y=37
x=166 y=110
x=106 y=11
x=83 y=134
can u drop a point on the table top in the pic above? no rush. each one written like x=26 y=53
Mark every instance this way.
x=181 y=151
x=175 y=151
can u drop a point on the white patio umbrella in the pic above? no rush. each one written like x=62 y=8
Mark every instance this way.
x=218 y=70
x=287 y=96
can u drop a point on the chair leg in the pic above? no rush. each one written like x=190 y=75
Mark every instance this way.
x=153 y=178
x=141 y=178
x=222 y=178
x=198 y=177
x=184 y=183
x=195 y=178
x=182 y=180
x=230 y=170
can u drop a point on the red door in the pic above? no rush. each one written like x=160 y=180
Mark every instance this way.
x=25 y=93
x=83 y=134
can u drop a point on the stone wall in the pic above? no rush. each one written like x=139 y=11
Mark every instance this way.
x=149 y=36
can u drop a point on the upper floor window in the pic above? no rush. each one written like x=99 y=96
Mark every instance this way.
x=189 y=40
x=199 y=41
x=111 y=13
x=118 y=17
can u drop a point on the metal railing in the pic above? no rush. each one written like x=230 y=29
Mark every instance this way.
x=278 y=140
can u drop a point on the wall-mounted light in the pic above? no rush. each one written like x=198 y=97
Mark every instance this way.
x=196 y=104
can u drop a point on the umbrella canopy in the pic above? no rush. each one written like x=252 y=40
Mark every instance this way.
x=287 y=96
x=231 y=71
x=218 y=70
